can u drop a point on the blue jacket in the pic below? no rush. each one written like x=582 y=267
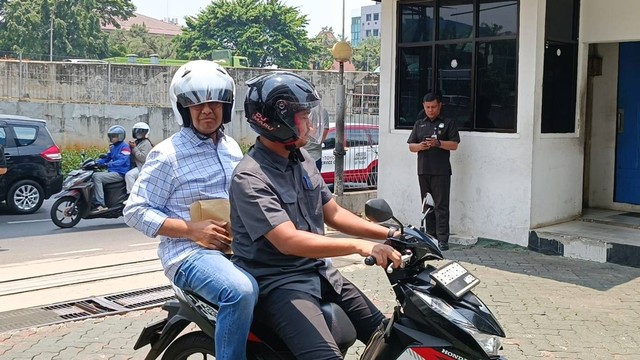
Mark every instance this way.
x=117 y=159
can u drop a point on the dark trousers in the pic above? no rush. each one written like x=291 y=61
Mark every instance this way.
x=296 y=317
x=440 y=188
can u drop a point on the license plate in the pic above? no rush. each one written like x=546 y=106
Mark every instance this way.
x=455 y=279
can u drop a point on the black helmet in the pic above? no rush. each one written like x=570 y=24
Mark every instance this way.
x=198 y=82
x=116 y=133
x=271 y=104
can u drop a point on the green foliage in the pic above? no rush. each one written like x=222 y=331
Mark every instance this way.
x=265 y=31
x=322 y=59
x=138 y=41
x=72 y=158
x=366 y=56
x=25 y=26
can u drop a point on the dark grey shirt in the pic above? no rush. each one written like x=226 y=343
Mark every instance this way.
x=434 y=161
x=267 y=190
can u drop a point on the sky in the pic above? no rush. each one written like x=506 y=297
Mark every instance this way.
x=320 y=13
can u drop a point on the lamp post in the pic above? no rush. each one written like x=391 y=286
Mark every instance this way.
x=342 y=53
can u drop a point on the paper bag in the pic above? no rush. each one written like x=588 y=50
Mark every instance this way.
x=214 y=209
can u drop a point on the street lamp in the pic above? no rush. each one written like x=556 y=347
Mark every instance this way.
x=342 y=53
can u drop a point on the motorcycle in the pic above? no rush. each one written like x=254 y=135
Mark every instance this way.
x=75 y=200
x=437 y=316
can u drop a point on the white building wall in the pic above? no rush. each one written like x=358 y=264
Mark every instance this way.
x=609 y=21
x=492 y=173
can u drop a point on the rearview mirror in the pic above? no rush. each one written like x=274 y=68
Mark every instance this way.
x=378 y=210
x=427 y=204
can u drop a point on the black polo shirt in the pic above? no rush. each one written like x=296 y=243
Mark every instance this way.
x=267 y=190
x=434 y=161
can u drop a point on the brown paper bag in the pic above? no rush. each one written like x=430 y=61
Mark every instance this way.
x=214 y=209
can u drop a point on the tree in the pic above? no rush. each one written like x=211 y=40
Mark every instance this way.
x=322 y=58
x=76 y=24
x=366 y=56
x=137 y=40
x=265 y=31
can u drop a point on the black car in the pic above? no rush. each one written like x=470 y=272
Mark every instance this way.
x=34 y=167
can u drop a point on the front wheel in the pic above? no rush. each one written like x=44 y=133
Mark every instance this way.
x=65 y=212
x=195 y=343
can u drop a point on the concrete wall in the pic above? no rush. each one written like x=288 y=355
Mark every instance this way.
x=609 y=21
x=81 y=101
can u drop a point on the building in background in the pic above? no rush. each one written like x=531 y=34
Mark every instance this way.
x=368 y=24
x=168 y=28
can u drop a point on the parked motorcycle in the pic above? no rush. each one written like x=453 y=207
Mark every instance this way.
x=437 y=316
x=75 y=200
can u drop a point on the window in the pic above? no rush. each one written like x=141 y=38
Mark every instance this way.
x=25 y=135
x=368 y=33
x=376 y=32
x=559 y=82
x=472 y=45
x=368 y=17
x=3 y=137
x=376 y=17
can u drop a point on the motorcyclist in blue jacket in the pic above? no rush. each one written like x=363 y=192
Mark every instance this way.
x=117 y=162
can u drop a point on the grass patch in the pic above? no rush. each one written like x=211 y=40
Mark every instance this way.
x=73 y=157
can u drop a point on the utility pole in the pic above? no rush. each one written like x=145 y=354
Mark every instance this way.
x=342 y=53
x=51 y=39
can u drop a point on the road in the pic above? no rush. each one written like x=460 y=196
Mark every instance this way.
x=34 y=237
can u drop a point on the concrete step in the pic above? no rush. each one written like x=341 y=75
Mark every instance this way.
x=589 y=240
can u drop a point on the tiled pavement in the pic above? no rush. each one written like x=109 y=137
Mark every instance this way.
x=550 y=307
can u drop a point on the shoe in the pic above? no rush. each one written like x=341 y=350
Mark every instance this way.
x=444 y=246
x=98 y=209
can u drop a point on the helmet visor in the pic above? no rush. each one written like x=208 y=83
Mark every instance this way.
x=197 y=97
x=308 y=117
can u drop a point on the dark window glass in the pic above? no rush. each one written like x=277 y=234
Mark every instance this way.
x=496 y=85
x=25 y=135
x=415 y=78
x=3 y=137
x=356 y=137
x=454 y=81
x=368 y=16
x=416 y=23
x=561 y=20
x=456 y=19
x=375 y=32
x=476 y=58
x=498 y=18
x=368 y=33
x=376 y=16
x=559 y=88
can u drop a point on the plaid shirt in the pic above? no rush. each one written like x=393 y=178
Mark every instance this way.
x=179 y=171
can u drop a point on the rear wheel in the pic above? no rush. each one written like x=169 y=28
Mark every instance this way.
x=25 y=197
x=65 y=212
x=195 y=345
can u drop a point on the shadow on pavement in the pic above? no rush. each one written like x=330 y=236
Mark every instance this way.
x=516 y=259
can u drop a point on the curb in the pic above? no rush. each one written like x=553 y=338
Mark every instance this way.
x=584 y=248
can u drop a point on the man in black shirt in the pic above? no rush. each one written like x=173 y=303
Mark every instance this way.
x=279 y=205
x=433 y=138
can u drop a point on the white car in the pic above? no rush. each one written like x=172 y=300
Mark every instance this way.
x=361 y=158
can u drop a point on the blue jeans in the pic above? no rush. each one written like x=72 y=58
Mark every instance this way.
x=211 y=275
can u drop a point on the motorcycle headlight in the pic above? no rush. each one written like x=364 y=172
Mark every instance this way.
x=491 y=344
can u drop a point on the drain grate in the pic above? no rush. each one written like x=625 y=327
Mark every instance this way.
x=85 y=308
x=143 y=298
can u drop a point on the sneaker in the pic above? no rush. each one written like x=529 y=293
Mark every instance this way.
x=444 y=246
x=98 y=209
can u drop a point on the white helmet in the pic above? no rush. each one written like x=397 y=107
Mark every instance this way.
x=140 y=130
x=197 y=82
